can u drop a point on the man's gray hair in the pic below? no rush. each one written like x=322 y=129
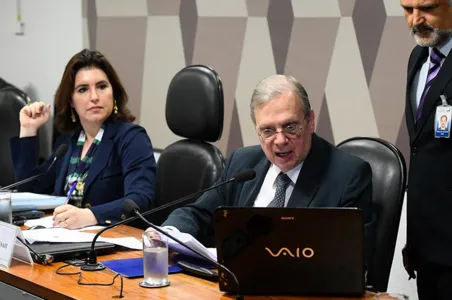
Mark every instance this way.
x=274 y=86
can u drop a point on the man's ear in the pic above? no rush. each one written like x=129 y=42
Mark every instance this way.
x=312 y=121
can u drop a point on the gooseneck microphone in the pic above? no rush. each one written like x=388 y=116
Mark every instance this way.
x=93 y=265
x=60 y=152
x=130 y=207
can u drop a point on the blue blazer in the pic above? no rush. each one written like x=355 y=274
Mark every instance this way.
x=123 y=168
x=329 y=177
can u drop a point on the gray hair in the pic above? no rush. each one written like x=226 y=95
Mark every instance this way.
x=274 y=86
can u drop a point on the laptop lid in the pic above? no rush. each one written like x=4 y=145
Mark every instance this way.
x=64 y=251
x=317 y=251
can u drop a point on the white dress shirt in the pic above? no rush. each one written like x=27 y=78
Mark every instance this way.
x=421 y=76
x=268 y=188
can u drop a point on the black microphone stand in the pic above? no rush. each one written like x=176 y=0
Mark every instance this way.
x=238 y=296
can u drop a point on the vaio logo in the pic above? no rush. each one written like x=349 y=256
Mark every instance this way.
x=306 y=252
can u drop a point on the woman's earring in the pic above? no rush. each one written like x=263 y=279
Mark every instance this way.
x=73 y=115
x=115 y=108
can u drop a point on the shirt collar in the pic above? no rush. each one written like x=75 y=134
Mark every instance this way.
x=445 y=48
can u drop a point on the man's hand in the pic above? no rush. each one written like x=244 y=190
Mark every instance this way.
x=407 y=263
x=71 y=217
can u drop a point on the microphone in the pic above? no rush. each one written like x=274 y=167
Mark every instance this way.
x=130 y=207
x=60 y=151
x=93 y=265
x=43 y=259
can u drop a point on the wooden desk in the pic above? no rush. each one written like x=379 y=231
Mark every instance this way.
x=43 y=281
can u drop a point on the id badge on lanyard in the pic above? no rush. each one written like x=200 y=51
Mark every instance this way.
x=442 y=119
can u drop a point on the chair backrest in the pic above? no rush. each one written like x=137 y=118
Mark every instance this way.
x=194 y=111
x=11 y=102
x=388 y=183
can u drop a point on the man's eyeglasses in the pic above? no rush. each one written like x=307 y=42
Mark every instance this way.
x=290 y=131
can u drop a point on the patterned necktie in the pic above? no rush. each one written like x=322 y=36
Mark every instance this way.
x=282 y=181
x=435 y=63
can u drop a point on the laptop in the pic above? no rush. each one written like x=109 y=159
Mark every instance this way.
x=67 y=251
x=292 y=251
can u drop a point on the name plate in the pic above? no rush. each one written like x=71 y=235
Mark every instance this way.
x=10 y=247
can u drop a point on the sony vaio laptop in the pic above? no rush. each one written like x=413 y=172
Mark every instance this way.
x=296 y=251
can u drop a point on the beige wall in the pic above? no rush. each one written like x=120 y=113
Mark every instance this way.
x=350 y=55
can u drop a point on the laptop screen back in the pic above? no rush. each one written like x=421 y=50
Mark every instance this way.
x=317 y=251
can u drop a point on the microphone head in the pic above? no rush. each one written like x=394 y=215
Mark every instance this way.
x=245 y=175
x=129 y=206
x=61 y=151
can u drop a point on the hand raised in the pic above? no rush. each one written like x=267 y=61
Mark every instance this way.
x=32 y=117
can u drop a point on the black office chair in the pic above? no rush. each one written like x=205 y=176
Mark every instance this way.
x=195 y=111
x=11 y=102
x=388 y=182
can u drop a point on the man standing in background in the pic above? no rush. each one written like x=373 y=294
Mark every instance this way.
x=428 y=251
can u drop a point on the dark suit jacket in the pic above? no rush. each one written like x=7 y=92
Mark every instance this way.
x=329 y=177
x=429 y=199
x=122 y=168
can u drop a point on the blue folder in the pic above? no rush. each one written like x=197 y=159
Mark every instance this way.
x=133 y=267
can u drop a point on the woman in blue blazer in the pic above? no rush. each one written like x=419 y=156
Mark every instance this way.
x=109 y=159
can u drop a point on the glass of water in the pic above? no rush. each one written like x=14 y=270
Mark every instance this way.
x=390 y=296
x=155 y=259
x=6 y=211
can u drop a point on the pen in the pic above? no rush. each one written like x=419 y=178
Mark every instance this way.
x=70 y=193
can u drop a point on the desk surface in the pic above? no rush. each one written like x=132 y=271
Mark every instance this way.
x=43 y=281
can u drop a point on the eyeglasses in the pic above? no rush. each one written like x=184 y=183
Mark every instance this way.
x=290 y=131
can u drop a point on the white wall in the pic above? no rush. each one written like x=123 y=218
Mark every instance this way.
x=398 y=279
x=35 y=61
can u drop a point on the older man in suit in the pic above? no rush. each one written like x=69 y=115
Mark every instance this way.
x=294 y=166
x=428 y=251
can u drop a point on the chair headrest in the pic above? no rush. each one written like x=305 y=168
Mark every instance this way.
x=194 y=104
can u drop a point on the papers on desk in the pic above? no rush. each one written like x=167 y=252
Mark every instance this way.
x=47 y=222
x=30 y=201
x=191 y=242
x=63 y=235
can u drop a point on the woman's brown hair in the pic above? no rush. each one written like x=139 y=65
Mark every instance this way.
x=86 y=59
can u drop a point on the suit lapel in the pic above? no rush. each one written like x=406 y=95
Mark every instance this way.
x=419 y=56
x=101 y=157
x=261 y=171
x=61 y=179
x=439 y=83
x=308 y=181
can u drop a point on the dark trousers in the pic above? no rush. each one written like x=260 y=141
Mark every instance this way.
x=434 y=282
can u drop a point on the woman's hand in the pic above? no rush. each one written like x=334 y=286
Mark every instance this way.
x=32 y=117
x=71 y=217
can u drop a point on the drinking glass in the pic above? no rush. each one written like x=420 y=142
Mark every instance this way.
x=6 y=211
x=155 y=259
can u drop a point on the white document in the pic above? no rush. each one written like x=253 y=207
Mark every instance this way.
x=63 y=235
x=128 y=242
x=189 y=240
x=47 y=222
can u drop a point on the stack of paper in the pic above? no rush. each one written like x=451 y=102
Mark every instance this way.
x=30 y=201
x=63 y=235
x=191 y=242
x=55 y=234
